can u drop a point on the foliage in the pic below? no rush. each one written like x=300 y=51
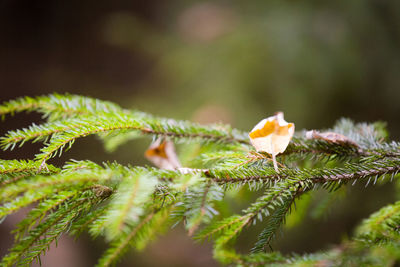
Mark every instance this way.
x=131 y=205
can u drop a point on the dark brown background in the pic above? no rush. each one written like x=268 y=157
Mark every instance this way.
x=229 y=61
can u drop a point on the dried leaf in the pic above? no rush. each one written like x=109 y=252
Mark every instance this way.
x=162 y=154
x=272 y=135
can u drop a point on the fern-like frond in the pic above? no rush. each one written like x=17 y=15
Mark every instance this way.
x=127 y=204
x=274 y=221
x=382 y=226
x=138 y=235
x=226 y=229
x=196 y=205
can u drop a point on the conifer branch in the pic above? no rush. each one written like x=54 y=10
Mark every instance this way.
x=58 y=106
x=30 y=247
x=53 y=182
x=349 y=172
x=13 y=170
x=85 y=221
x=130 y=205
x=22 y=201
x=40 y=211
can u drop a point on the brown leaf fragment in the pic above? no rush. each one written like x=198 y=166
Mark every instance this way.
x=162 y=154
x=331 y=137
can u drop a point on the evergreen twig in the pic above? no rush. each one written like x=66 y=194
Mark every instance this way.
x=131 y=205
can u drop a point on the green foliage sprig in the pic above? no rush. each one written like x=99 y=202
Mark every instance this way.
x=131 y=205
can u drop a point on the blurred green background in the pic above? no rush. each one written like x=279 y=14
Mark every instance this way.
x=208 y=61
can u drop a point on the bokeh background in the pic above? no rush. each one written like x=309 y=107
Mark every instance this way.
x=207 y=61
